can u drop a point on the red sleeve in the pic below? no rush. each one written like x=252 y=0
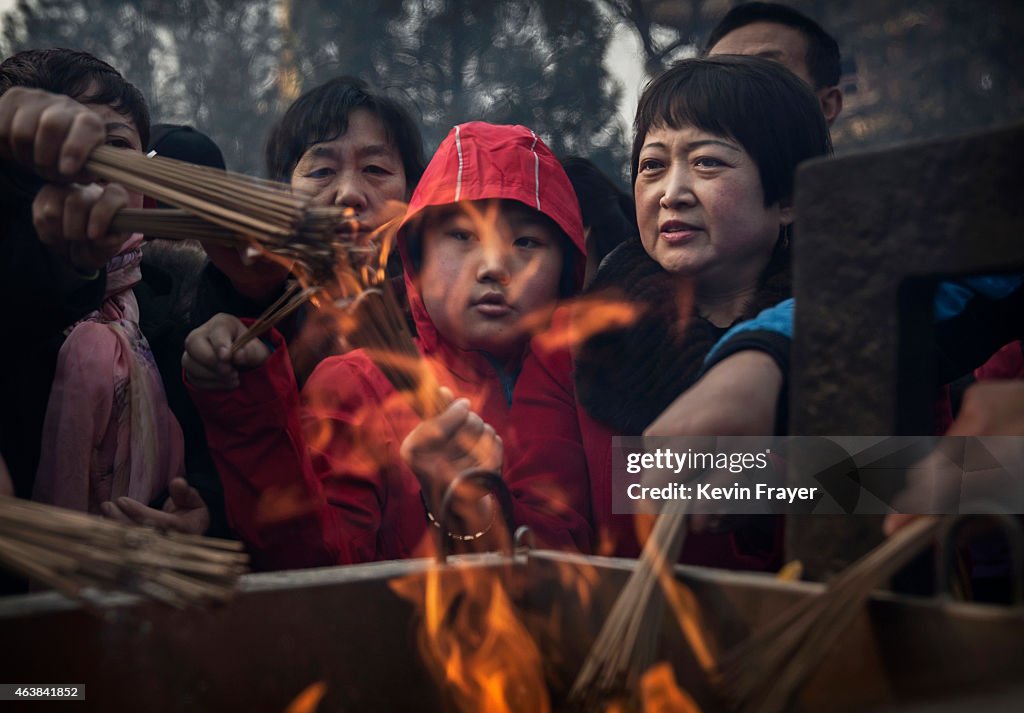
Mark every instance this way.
x=1007 y=363
x=280 y=488
x=546 y=462
x=273 y=499
x=348 y=410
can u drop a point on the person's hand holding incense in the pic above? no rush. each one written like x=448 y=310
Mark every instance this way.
x=989 y=408
x=49 y=134
x=441 y=448
x=185 y=511
x=208 y=361
x=73 y=221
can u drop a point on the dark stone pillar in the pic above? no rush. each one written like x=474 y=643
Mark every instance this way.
x=875 y=232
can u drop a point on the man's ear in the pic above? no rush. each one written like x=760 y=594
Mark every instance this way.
x=831 y=103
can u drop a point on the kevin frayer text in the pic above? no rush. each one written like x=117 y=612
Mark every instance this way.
x=679 y=491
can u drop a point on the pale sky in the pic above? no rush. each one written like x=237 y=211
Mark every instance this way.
x=624 y=61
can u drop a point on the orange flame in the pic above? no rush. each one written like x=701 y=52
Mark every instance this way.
x=660 y=693
x=474 y=642
x=309 y=699
x=684 y=606
x=590 y=315
x=282 y=504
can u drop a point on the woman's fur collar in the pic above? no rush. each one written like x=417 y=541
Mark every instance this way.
x=625 y=377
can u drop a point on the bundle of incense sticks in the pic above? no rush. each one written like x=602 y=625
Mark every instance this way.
x=625 y=646
x=767 y=671
x=263 y=212
x=314 y=246
x=374 y=322
x=239 y=203
x=78 y=554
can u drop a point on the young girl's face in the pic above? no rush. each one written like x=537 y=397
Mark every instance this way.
x=490 y=272
x=700 y=208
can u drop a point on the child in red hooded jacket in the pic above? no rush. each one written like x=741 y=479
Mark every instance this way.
x=492 y=237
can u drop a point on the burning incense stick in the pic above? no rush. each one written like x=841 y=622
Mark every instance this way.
x=74 y=553
x=292 y=298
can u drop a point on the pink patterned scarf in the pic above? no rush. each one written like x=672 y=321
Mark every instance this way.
x=108 y=430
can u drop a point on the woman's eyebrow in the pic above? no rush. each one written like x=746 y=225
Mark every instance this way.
x=705 y=142
x=695 y=145
x=113 y=125
x=654 y=145
x=318 y=152
x=325 y=151
x=374 y=150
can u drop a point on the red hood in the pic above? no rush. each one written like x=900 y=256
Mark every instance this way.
x=479 y=161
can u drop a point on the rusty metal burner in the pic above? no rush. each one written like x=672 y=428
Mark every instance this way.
x=346 y=627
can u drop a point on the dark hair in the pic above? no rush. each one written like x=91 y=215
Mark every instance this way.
x=73 y=72
x=607 y=210
x=757 y=102
x=185 y=143
x=321 y=114
x=822 y=50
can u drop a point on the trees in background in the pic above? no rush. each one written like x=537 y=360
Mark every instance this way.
x=230 y=67
x=915 y=69
x=912 y=68
x=206 y=63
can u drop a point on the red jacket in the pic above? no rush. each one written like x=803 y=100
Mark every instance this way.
x=555 y=438
x=321 y=482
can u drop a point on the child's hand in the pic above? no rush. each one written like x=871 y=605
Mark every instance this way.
x=73 y=221
x=207 y=361
x=440 y=448
x=50 y=134
x=185 y=510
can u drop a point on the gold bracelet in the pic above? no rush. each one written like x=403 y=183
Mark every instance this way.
x=461 y=538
